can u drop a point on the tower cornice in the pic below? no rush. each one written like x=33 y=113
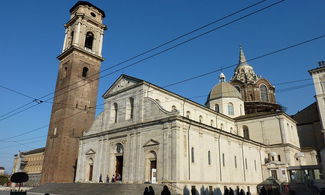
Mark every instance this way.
x=83 y=16
x=74 y=48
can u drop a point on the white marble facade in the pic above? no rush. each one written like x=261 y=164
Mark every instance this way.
x=144 y=127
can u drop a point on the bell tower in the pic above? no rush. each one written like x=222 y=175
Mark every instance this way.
x=73 y=110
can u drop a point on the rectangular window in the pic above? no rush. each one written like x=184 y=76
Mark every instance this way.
x=209 y=158
x=255 y=164
x=192 y=154
x=279 y=157
x=246 y=163
x=235 y=162
x=223 y=159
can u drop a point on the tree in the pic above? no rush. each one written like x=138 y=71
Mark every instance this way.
x=19 y=177
x=3 y=180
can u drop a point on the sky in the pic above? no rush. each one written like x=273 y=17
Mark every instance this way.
x=32 y=37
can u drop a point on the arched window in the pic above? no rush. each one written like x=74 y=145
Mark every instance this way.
x=231 y=130
x=89 y=40
x=115 y=112
x=246 y=132
x=131 y=107
x=65 y=72
x=209 y=157
x=192 y=154
x=216 y=107
x=188 y=114
x=84 y=72
x=174 y=108
x=264 y=93
x=119 y=148
x=200 y=118
x=221 y=126
x=230 y=108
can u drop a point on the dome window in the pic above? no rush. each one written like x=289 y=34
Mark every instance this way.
x=264 y=93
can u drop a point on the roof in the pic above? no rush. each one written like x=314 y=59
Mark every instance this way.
x=223 y=89
x=89 y=4
x=308 y=115
x=38 y=150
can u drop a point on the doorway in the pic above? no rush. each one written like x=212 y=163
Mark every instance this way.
x=119 y=167
x=151 y=167
x=153 y=171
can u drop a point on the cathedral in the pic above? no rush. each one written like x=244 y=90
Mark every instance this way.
x=147 y=134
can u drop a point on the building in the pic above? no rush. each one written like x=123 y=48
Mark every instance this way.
x=149 y=134
x=240 y=137
x=2 y=170
x=80 y=62
x=257 y=92
x=30 y=162
x=311 y=120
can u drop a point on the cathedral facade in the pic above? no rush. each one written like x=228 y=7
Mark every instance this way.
x=149 y=134
x=240 y=137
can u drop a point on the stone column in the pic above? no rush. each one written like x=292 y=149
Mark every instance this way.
x=65 y=39
x=100 y=44
x=77 y=33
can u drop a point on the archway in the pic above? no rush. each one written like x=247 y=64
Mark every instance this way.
x=151 y=167
x=119 y=162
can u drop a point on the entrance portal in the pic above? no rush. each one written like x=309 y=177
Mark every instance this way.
x=151 y=167
x=153 y=171
x=119 y=167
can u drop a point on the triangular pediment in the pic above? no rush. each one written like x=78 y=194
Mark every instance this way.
x=151 y=142
x=90 y=152
x=123 y=82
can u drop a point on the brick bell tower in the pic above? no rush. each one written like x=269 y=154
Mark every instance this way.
x=73 y=110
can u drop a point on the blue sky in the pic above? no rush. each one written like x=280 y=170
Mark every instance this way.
x=32 y=37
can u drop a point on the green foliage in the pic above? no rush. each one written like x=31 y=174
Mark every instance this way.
x=3 y=180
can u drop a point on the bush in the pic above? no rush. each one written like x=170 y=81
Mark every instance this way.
x=3 y=180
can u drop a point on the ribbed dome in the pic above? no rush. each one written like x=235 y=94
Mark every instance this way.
x=223 y=89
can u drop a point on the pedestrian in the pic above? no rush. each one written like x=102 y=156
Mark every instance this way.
x=119 y=177
x=107 y=179
x=263 y=191
x=146 y=191
x=241 y=192
x=226 y=191
x=113 y=179
x=165 y=191
x=231 y=191
x=100 y=179
x=151 y=191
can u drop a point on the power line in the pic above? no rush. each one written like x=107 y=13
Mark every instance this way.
x=198 y=76
x=163 y=51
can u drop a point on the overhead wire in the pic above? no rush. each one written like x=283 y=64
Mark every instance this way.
x=3 y=117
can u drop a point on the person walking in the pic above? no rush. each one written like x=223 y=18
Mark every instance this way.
x=151 y=191
x=165 y=191
x=226 y=191
x=107 y=179
x=146 y=191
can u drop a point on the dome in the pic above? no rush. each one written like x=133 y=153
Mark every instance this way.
x=223 y=89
